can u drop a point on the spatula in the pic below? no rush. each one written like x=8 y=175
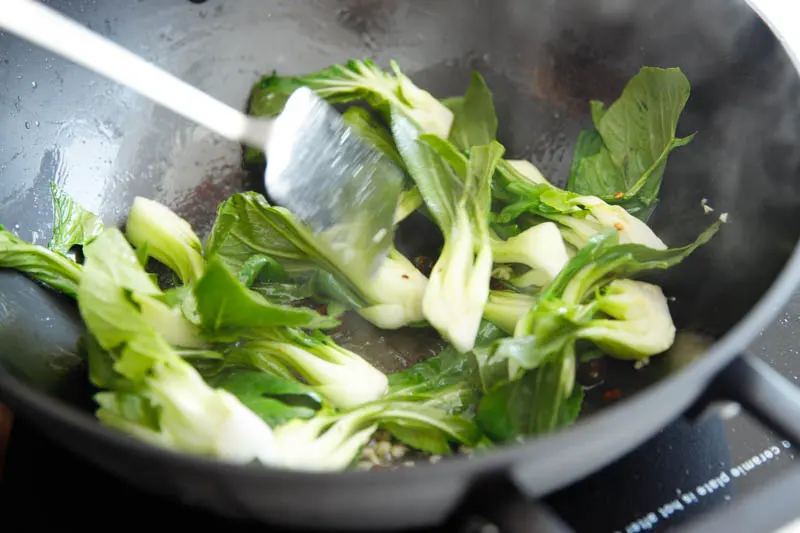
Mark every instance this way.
x=318 y=168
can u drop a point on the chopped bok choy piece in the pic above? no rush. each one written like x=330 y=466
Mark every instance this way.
x=175 y=407
x=167 y=237
x=638 y=322
x=42 y=264
x=357 y=80
x=600 y=215
x=504 y=309
x=541 y=248
x=339 y=375
x=459 y=201
x=584 y=298
x=247 y=226
x=73 y=225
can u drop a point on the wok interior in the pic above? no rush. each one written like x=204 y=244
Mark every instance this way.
x=543 y=61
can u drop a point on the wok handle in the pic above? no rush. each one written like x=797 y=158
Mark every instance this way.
x=52 y=31
x=766 y=395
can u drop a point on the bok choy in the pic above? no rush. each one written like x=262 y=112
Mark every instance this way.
x=244 y=355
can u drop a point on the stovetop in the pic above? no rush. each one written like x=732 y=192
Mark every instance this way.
x=687 y=469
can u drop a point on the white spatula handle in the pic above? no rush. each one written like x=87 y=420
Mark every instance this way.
x=51 y=30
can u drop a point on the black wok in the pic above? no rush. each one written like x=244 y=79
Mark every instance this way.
x=544 y=60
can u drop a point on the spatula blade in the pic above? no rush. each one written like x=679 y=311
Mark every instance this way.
x=344 y=189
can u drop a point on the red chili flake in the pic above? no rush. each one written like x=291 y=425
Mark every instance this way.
x=613 y=394
x=619 y=195
x=424 y=264
x=619 y=226
x=405 y=276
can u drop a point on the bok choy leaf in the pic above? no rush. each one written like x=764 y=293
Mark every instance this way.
x=167 y=238
x=229 y=311
x=165 y=401
x=42 y=264
x=72 y=224
x=623 y=159
x=457 y=194
x=248 y=225
x=586 y=301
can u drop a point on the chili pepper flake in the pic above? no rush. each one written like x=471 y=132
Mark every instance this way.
x=424 y=264
x=619 y=226
x=619 y=195
x=613 y=394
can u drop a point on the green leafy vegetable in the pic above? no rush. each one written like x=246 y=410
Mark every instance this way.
x=101 y=365
x=475 y=122
x=247 y=225
x=522 y=169
x=326 y=442
x=505 y=308
x=286 y=293
x=267 y=99
x=267 y=277
x=531 y=279
x=170 y=320
x=638 y=324
x=49 y=267
x=243 y=355
x=72 y=224
x=357 y=80
x=459 y=199
x=447 y=383
x=445 y=380
x=410 y=200
x=375 y=134
x=623 y=160
x=458 y=285
x=206 y=362
x=599 y=216
x=531 y=405
x=629 y=319
x=191 y=416
x=229 y=310
x=132 y=413
x=330 y=441
x=541 y=248
x=167 y=237
x=419 y=437
x=363 y=80
x=339 y=375
x=522 y=196
x=426 y=422
x=579 y=217
x=269 y=95
x=276 y=400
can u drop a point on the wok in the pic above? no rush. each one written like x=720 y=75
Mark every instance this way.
x=544 y=60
